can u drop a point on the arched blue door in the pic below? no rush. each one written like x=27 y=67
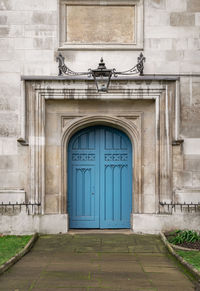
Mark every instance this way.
x=99 y=178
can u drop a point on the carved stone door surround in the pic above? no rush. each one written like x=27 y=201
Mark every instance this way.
x=166 y=99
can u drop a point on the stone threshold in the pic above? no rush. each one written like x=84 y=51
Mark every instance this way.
x=100 y=231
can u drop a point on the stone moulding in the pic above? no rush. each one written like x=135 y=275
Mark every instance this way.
x=135 y=44
x=12 y=196
x=149 y=78
x=187 y=195
x=165 y=98
x=177 y=142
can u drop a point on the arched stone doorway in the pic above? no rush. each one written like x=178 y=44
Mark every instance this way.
x=60 y=108
x=99 y=178
x=130 y=126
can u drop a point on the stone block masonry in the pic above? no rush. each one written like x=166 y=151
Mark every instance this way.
x=30 y=41
x=182 y=19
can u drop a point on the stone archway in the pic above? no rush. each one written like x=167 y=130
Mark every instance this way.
x=57 y=108
x=129 y=127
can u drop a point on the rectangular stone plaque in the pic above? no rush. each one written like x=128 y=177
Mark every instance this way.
x=94 y=24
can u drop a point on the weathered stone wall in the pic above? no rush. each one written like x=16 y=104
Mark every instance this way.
x=172 y=36
x=29 y=41
x=172 y=44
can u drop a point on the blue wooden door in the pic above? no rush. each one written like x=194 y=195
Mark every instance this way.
x=99 y=178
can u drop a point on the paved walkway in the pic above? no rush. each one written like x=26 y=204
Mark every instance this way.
x=96 y=262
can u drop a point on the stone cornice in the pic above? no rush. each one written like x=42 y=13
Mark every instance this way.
x=85 y=78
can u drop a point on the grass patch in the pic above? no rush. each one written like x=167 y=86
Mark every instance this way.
x=10 y=245
x=192 y=257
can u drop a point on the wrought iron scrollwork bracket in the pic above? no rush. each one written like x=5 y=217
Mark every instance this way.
x=137 y=69
x=64 y=70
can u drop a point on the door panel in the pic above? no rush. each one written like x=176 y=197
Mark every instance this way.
x=99 y=178
x=83 y=180
x=116 y=166
x=82 y=202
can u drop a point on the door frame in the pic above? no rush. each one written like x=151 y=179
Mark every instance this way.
x=130 y=125
x=97 y=168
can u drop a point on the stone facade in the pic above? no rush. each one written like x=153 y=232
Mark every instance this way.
x=39 y=112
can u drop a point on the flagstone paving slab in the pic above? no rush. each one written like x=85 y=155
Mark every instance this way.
x=99 y=262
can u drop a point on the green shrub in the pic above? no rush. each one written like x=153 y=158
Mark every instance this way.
x=181 y=236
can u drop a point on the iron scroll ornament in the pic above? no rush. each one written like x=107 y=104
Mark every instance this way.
x=101 y=74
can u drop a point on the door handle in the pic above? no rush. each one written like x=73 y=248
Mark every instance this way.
x=92 y=193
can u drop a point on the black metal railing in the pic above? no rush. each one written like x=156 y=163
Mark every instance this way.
x=189 y=207
x=15 y=208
